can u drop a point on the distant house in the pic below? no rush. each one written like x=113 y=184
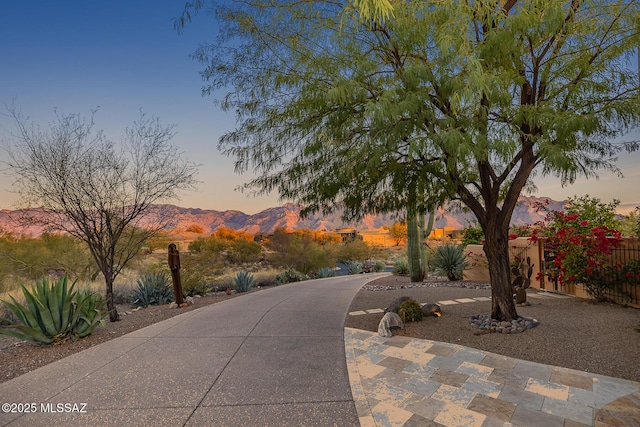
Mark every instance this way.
x=348 y=234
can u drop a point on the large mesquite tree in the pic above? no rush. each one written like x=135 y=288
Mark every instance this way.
x=463 y=100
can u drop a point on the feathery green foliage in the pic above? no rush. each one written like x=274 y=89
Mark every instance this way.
x=448 y=99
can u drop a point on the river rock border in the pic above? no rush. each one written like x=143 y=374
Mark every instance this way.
x=464 y=285
x=485 y=323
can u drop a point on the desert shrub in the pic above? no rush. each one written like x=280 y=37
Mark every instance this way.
x=324 y=272
x=193 y=287
x=231 y=246
x=290 y=276
x=242 y=251
x=54 y=313
x=195 y=228
x=122 y=294
x=401 y=267
x=28 y=259
x=353 y=250
x=379 y=266
x=411 y=311
x=581 y=241
x=153 y=289
x=472 y=235
x=196 y=269
x=449 y=260
x=354 y=267
x=299 y=251
x=244 y=281
x=368 y=266
x=265 y=277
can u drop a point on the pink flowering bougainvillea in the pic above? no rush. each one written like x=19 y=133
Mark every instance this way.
x=580 y=251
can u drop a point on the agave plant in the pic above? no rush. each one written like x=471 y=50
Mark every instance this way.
x=290 y=276
x=354 y=267
x=152 y=289
x=325 y=272
x=449 y=260
x=244 y=281
x=92 y=311
x=54 y=312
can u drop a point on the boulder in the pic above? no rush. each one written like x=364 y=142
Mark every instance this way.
x=433 y=310
x=395 y=305
x=390 y=323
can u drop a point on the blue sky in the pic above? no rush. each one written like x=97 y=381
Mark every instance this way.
x=123 y=55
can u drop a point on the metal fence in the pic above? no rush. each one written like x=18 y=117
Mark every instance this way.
x=623 y=273
x=620 y=274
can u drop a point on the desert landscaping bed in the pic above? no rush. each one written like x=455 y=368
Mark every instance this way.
x=573 y=333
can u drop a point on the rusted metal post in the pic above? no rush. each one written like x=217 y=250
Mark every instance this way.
x=174 y=265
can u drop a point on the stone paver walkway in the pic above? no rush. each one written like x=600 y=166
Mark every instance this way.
x=402 y=381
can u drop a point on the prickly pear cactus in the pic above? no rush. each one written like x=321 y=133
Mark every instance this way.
x=522 y=280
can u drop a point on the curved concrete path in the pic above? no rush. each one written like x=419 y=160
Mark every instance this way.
x=281 y=357
x=274 y=357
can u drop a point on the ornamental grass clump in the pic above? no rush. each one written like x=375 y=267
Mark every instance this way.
x=401 y=267
x=55 y=313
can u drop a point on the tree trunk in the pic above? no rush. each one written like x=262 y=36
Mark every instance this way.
x=413 y=246
x=425 y=231
x=496 y=248
x=111 y=307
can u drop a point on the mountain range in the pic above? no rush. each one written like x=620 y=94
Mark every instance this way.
x=288 y=216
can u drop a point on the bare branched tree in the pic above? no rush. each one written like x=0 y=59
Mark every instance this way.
x=100 y=192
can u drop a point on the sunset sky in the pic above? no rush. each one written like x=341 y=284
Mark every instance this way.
x=121 y=56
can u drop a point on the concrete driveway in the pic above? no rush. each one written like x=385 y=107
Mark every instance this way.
x=274 y=357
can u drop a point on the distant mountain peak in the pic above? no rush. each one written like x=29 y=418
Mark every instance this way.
x=288 y=216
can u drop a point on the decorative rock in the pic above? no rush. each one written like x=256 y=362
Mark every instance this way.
x=465 y=285
x=395 y=305
x=485 y=323
x=189 y=300
x=432 y=310
x=389 y=323
x=173 y=305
